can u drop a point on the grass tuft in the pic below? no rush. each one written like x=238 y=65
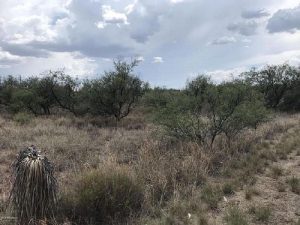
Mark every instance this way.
x=276 y=172
x=235 y=216
x=295 y=184
x=261 y=214
x=211 y=195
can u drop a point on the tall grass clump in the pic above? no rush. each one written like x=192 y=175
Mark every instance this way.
x=34 y=190
x=235 y=216
x=22 y=118
x=103 y=197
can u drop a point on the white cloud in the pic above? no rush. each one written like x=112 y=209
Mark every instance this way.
x=225 y=75
x=74 y=64
x=157 y=59
x=111 y=16
x=140 y=58
x=176 y=1
x=129 y=8
x=33 y=21
x=223 y=40
x=291 y=56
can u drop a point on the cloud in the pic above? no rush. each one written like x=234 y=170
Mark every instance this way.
x=291 y=56
x=23 y=50
x=285 y=20
x=7 y=59
x=74 y=64
x=252 y=14
x=226 y=74
x=37 y=35
x=246 y=28
x=246 y=40
x=223 y=40
x=157 y=59
x=176 y=1
x=140 y=58
x=129 y=8
x=110 y=16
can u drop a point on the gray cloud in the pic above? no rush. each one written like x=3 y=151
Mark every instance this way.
x=285 y=20
x=24 y=50
x=252 y=14
x=246 y=28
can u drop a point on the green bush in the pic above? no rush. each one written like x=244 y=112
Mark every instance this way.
x=101 y=197
x=22 y=118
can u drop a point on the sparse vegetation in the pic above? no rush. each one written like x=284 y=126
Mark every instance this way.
x=211 y=195
x=276 y=172
x=235 y=216
x=126 y=153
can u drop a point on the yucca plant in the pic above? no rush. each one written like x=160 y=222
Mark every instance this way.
x=34 y=192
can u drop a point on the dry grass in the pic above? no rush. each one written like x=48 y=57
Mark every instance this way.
x=171 y=173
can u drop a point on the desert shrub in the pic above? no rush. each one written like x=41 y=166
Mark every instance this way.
x=228 y=189
x=261 y=214
x=276 y=172
x=234 y=216
x=22 y=118
x=211 y=195
x=101 y=197
x=294 y=183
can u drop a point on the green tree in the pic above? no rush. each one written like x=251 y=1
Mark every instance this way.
x=274 y=82
x=222 y=109
x=117 y=91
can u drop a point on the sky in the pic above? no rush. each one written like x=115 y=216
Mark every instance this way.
x=174 y=40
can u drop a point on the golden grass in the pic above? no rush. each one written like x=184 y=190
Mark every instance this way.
x=166 y=168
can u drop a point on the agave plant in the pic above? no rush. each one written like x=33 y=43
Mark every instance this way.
x=34 y=191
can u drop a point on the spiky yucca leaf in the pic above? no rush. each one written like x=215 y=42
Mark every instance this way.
x=34 y=190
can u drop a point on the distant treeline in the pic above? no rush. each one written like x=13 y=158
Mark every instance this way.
x=114 y=94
